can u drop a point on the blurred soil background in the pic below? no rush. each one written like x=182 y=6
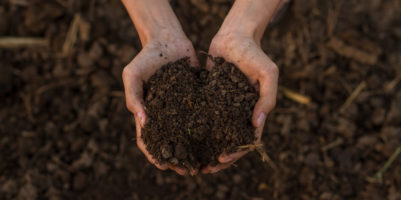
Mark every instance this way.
x=65 y=132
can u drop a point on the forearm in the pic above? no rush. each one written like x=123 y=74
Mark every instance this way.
x=249 y=17
x=153 y=18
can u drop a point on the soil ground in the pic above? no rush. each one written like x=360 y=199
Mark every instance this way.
x=65 y=132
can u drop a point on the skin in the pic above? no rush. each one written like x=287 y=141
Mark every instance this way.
x=237 y=41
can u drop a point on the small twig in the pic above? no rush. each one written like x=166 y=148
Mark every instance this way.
x=206 y=54
x=60 y=163
x=72 y=35
x=378 y=177
x=329 y=146
x=302 y=99
x=352 y=52
x=38 y=92
x=353 y=95
x=390 y=86
x=19 y=42
x=250 y=147
x=332 y=17
x=189 y=102
x=26 y=98
x=260 y=149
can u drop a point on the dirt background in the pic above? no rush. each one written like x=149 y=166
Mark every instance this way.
x=65 y=132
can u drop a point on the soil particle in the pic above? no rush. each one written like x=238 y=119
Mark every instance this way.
x=394 y=115
x=166 y=151
x=180 y=152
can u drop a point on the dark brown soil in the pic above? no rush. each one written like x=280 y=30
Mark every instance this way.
x=65 y=132
x=195 y=115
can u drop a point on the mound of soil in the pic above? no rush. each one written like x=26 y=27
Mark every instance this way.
x=195 y=115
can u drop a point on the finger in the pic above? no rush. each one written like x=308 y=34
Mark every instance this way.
x=268 y=81
x=227 y=158
x=258 y=132
x=133 y=86
x=193 y=59
x=206 y=169
x=179 y=170
x=213 y=169
x=220 y=167
x=209 y=62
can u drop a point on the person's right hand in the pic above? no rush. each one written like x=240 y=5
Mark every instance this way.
x=238 y=42
x=167 y=47
x=245 y=52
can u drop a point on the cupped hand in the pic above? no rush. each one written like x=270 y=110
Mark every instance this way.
x=262 y=72
x=155 y=53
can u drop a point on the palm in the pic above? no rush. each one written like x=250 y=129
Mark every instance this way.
x=261 y=72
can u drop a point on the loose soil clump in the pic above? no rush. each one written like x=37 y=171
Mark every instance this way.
x=194 y=114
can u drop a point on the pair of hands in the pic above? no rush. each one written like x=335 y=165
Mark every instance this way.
x=242 y=50
x=238 y=42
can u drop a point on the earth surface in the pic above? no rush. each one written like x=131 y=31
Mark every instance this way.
x=65 y=132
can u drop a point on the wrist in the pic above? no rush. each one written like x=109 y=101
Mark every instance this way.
x=230 y=32
x=153 y=19
x=249 y=18
x=230 y=40
x=165 y=37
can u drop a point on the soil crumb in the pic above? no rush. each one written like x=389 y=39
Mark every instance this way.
x=194 y=114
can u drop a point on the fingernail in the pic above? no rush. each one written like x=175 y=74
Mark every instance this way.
x=227 y=159
x=260 y=119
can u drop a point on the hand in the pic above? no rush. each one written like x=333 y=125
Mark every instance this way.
x=238 y=42
x=163 y=40
x=156 y=52
x=245 y=52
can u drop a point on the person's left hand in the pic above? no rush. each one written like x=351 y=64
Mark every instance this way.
x=262 y=72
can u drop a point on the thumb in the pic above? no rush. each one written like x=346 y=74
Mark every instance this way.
x=213 y=53
x=133 y=87
x=193 y=59
x=267 y=100
x=209 y=63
